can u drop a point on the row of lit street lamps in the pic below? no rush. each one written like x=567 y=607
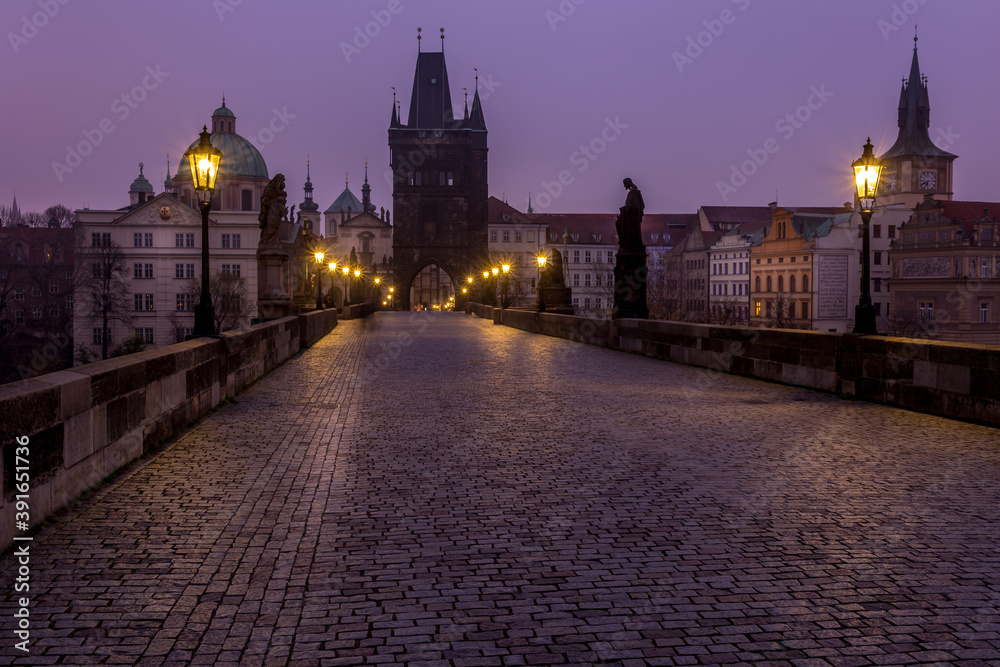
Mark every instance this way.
x=204 y=161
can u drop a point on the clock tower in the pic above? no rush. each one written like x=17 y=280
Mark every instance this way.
x=914 y=166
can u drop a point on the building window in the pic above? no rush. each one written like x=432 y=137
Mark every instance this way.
x=877 y=284
x=518 y=237
x=100 y=239
x=185 y=302
x=145 y=334
x=768 y=309
x=36 y=291
x=587 y=256
x=805 y=310
x=233 y=269
x=53 y=310
x=53 y=287
x=805 y=283
x=576 y=302
x=576 y=280
x=189 y=240
x=576 y=256
x=409 y=178
x=142 y=302
x=781 y=284
x=757 y=284
x=147 y=239
x=137 y=240
x=506 y=236
x=18 y=317
x=791 y=283
x=878 y=257
x=611 y=256
x=178 y=270
x=246 y=200
x=984 y=268
x=984 y=312
x=927 y=310
x=892 y=231
x=768 y=283
x=598 y=303
x=178 y=240
x=98 y=338
x=493 y=236
x=756 y=308
x=69 y=302
x=226 y=242
x=586 y=303
x=137 y=270
x=586 y=279
x=876 y=231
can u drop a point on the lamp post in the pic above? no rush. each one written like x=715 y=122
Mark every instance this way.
x=505 y=289
x=333 y=272
x=347 y=272
x=319 y=280
x=867 y=170
x=378 y=288
x=542 y=260
x=496 y=287
x=204 y=161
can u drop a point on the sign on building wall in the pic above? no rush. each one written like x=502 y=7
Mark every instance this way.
x=831 y=287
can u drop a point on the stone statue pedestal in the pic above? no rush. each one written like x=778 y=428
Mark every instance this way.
x=273 y=301
x=558 y=300
x=630 y=286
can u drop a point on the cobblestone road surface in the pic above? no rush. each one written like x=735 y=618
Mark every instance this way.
x=431 y=489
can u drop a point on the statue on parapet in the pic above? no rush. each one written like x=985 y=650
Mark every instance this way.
x=629 y=222
x=630 y=263
x=272 y=211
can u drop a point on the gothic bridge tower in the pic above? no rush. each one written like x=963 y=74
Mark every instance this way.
x=439 y=192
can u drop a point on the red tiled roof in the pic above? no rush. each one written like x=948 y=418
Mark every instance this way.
x=970 y=210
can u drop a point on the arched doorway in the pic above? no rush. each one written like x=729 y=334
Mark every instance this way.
x=430 y=284
x=432 y=289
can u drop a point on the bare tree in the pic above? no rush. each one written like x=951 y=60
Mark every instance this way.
x=906 y=324
x=229 y=299
x=60 y=213
x=664 y=293
x=104 y=287
x=782 y=312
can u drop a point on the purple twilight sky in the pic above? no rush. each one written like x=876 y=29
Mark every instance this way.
x=675 y=95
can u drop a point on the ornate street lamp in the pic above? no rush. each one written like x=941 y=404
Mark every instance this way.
x=347 y=272
x=542 y=261
x=204 y=160
x=319 y=280
x=867 y=170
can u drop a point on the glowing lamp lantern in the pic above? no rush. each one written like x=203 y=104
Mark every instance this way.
x=867 y=170
x=204 y=160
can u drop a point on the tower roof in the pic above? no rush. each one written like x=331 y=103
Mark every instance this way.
x=140 y=184
x=346 y=201
x=914 y=117
x=430 y=101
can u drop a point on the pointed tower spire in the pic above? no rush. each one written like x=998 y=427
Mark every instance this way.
x=476 y=119
x=168 y=182
x=465 y=118
x=308 y=205
x=442 y=40
x=529 y=202
x=366 y=193
x=395 y=117
x=15 y=212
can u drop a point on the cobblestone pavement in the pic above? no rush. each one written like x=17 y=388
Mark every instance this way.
x=431 y=489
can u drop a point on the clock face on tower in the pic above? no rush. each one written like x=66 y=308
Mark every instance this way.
x=890 y=182
x=928 y=180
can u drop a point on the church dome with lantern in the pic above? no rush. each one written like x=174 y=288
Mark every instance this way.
x=242 y=172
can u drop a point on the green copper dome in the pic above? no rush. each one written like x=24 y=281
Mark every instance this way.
x=140 y=184
x=240 y=158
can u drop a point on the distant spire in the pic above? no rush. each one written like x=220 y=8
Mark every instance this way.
x=395 y=118
x=345 y=178
x=466 y=91
x=418 y=40
x=442 y=40
x=366 y=193
x=529 y=201
x=476 y=119
x=15 y=212
x=168 y=182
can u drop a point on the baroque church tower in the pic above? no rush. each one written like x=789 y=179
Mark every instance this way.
x=439 y=176
x=914 y=166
